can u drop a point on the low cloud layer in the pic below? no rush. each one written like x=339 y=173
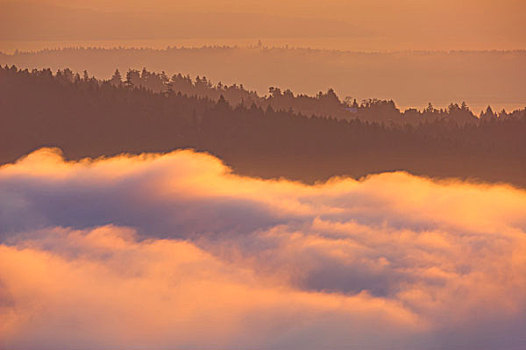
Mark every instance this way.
x=174 y=251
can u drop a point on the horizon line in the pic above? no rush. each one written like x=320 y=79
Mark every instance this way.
x=253 y=47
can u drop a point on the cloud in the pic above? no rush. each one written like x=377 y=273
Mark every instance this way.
x=175 y=251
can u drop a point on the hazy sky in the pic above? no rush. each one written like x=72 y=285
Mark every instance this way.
x=359 y=24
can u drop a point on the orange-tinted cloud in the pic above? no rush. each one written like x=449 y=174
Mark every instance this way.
x=174 y=251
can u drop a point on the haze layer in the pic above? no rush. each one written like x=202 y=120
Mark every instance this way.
x=356 y=24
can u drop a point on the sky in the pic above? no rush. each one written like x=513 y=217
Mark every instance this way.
x=175 y=251
x=359 y=24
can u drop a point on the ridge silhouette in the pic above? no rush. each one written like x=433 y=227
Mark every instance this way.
x=271 y=136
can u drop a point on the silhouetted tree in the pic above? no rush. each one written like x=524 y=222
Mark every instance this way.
x=116 y=79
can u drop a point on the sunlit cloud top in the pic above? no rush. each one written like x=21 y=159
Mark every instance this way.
x=175 y=251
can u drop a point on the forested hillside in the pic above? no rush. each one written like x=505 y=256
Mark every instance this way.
x=259 y=137
x=323 y=104
x=411 y=78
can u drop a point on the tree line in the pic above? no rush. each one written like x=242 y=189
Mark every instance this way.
x=88 y=117
x=326 y=104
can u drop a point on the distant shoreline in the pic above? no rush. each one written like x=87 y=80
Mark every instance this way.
x=10 y=47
